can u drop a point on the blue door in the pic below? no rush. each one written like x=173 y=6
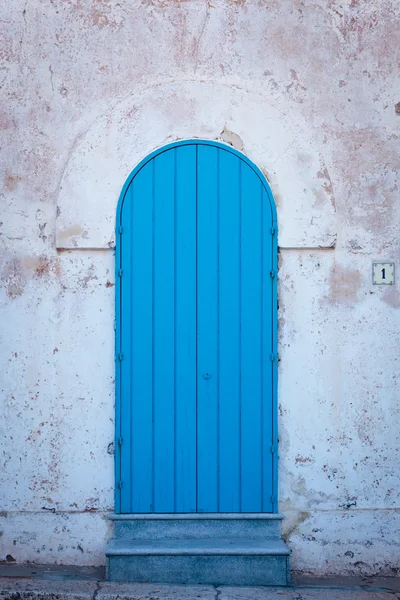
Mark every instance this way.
x=196 y=334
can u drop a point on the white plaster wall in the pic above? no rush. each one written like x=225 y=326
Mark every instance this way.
x=309 y=90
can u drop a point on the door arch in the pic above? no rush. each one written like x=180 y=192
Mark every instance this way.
x=196 y=334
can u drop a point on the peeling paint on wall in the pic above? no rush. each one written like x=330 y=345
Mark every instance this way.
x=232 y=138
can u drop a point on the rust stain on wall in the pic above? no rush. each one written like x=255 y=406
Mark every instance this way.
x=11 y=181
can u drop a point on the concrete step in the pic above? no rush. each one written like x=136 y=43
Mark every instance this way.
x=188 y=526
x=207 y=561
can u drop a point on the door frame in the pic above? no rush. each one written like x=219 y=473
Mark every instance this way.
x=118 y=312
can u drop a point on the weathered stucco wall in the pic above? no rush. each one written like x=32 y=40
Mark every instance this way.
x=308 y=91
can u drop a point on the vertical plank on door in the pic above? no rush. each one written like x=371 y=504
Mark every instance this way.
x=229 y=332
x=269 y=315
x=185 y=325
x=251 y=342
x=164 y=332
x=125 y=355
x=207 y=328
x=138 y=311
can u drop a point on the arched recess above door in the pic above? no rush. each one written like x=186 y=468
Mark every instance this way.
x=280 y=144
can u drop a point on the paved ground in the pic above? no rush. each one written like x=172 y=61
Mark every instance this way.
x=71 y=583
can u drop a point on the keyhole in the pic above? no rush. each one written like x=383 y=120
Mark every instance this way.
x=383 y=274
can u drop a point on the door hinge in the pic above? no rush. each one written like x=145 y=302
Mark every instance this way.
x=273 y=356
x=272 y=273
x=119 y=485
x=120 y=272
x=120 y=229
x=120 y=356
x=273 y=230
x=274 y=448
x=273 y=498
x=120 y=441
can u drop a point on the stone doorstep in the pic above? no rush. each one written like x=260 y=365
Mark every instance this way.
x=193 y=548
x=199 y=561
x=196 y=526
x=197 y=547
x=196 y=516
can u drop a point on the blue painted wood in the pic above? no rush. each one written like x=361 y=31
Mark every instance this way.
x=124 y=355
x=138 y=351
x=207 y=329
x=185 y=340
x=118 y=394
x=272 y=218
x=229 y=332
x=164 y=332
x=196 y=324
x=251 y=337
x=268 y=308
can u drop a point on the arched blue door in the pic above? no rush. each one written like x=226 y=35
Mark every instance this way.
x=196 y=334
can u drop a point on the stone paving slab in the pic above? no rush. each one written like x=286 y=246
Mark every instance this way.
x=52 y=572
x=380 y=583
x=161 y=591
x=97 y=574
x=231 y=593
x=31 y=589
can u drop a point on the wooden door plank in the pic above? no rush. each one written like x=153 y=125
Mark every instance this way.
x=251 y=342
x=207 y=329
x=185 y=325
x=164 y=332
x=139 y=306
x=229 y=332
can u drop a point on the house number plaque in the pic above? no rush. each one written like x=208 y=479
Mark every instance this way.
x=383 y=273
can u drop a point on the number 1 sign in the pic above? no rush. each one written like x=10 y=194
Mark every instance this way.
x=383 y=273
